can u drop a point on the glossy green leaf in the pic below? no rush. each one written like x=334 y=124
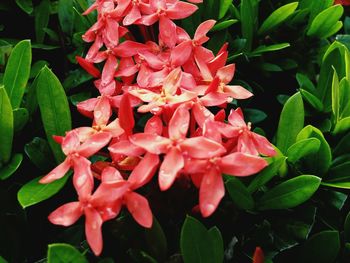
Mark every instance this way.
x=2 y=260
x=343 y=146
x=347 y=228
x=11 y=167
x=326 y=23
x=290 y=193
x=200 y=245
x=54 y=109
x=42 y=17
x=31 y=102
x=263 y=49
x=312 y=100
x=76 y=78
x=33 y=192
x=17 y=72
x=316 y=7
x=224 y=7
x=20 y=118
x=36 y=67
x=249 y=17
x=344 y=98
x=239 y=194
x=291 y=122
x=38 y=151
x=305 y=83
x=6 y=126
x=25 y=5
x=342 y=126
x=303 y=148
x=323 y=158
x=66 y=15
x=254 y=116
x=59 y=253
x=277 y=17
x=223 y=25
x=322 y=247
x=335 y=97
x=156 y=241
x=267 y=174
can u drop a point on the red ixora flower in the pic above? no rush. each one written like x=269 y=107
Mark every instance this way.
x=342 y=2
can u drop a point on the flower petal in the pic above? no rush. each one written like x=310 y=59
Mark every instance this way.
x=237 y=92
x=201 y=33
x=66 y=214
x=127 y=148
x=93 y=231
x=179 y=123
x=83 y=180
x=181 y=53
x=167 y=31
x=226 y=73
x=95 y=143
x=154 y=125
x=173 y=162
x=102 y=112
x=201 y=147
x=211 y=192
x=57 y=173
x=139 y=209
x=180 y=10
x=240 y=164
x=151 y=142
x=70 y=142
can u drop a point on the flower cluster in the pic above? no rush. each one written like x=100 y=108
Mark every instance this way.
x=175 y=80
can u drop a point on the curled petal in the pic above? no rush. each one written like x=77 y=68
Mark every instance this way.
x=139 y=209
x=151 y=142
x=95 y=143
x=66 y=214
x=201 y=147
x=173 y=162
x=211 y=192
x=56 y=173
x=240 y=164
x=201 y=33
x=93 y=231
x=144 y=171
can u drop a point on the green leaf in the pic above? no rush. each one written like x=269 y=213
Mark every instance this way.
x=17 y=72
x=347 y=228
x=239 y=194
x=335 y=96
x=344 y=98
x=25 y=5
x=140 y=256
x=2 y=260
x=6 y=126
x=38 y=151
x=254 y=116
x=79 y=97
x=11 y=167
x=277 y=17
x=66 y=16
x=20 y=118
x=59 y=253
x=267 y=174
x=224 y=6
x=42 y=17
x=322 y=247
x=76 y=78
x=343 y=146
x=156 y=241
x=54 y=109
x=37 y=66
x=223 y=25
x=305 y=83
x=323 y=158
x=249 y=18
x=263 y=49
x=326 y=23
x=290 y=193
x=200 y=245
x=342 y=126
x=34 y=192
x=291 y=122
x=303 y=148
x=312 y=100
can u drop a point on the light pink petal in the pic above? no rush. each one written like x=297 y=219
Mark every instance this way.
x=201 y=113
x=226 y=73
x=236 y=119
x=132 y=16
x=129 y=48
x=139 y=209
x=144 y=171
x=66 y=214
x=172 y=81
x=83 y=180
x=263 y=145
x=85 y=133
x=114 y=128
x=205 y=54
x=70 y=142
x=179 y=123
x=211 y=192
x=210 y=131
x=144 y=94
x=181 y=53
x=151 y=142
x=121 y=8
x=180 y=10
x=201 y=33
x=240 y=164
x=109 y=70
x=112 y=33
x=127 y=148
x=237 y=92
x=154 y=125
x=246 y=144
x=157 y=78
x=167 y=31
x=203 y=68
x=86 y=107
x=188 y=82
x=201 y=147
x=107 y=89
x=214 y=99
x=93 y=231
x=182 y=35
x=108 y=193
x=56 y=173
x=111 y=175
x=152 y=60
x=102 y=112
x=173 y=162
x=95 y=143
x=195 y=166
x=143 y=76
x=183 y=97
x=149 y=20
